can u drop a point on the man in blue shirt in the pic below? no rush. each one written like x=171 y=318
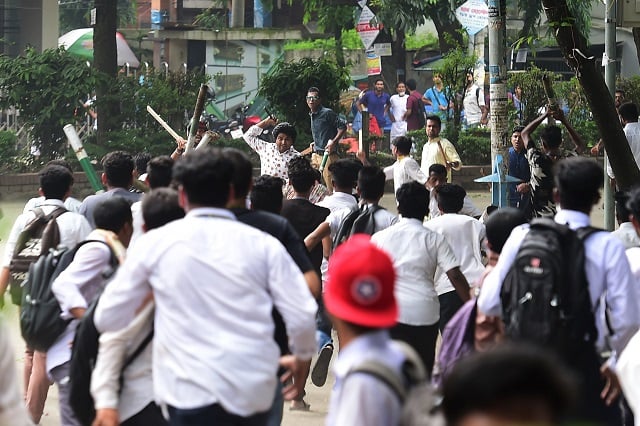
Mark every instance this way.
x=518 y=167
x=327 y=128
x=377 y=102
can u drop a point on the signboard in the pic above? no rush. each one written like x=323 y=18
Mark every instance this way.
x=374 y=65
x=366 y=31
x=382 y=49
x=473 y=15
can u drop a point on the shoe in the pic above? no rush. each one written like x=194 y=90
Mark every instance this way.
x=321 y=368
x=299 y=405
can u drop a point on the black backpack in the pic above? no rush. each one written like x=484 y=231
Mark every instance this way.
x=545 y=295
x=40 y=321
x=359 y=221
x=84 y=355
x=37 y=237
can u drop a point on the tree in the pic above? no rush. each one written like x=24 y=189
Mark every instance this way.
x=46 y=88
x=580 y=10
x=76 y=13
x=575 y=50
x=286 y=85
x=105 y=60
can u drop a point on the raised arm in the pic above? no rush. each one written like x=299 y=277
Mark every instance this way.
x=577 y=140
x=530 y=128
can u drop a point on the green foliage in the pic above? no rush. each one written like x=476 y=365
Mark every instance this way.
x=474 y=146
x=532 y=92
x=76 y=14
x=350 y=40
x=285 y=87
x=419 y=41
x=631 y=87
x=212 y=18
x=46 y=88
x=579 y=114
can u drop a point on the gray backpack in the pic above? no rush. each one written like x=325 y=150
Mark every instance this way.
x=420 y=402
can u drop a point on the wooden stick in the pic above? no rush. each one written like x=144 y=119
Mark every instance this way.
x=163 y=123
x=197 y=112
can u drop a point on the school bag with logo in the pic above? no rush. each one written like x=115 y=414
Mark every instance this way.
x=40 y=321
x=37 y=237
x=419 y=399
x=359 y=221
x=545 y=295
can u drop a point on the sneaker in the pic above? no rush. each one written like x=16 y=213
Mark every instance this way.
x=321 y=368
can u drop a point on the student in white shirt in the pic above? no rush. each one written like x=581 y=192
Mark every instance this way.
x=417 y=252
x=214 y=281
x=80 y=283
x=359 y=297
x=132 y=405
x=578 y=181
x=55 y=187
x=464 y=235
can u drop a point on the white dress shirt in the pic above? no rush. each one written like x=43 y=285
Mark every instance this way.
x=215 y=282
x=360 y=398
x=473 y=100
x=137 y=385
x=404 y=170
x=76 y=287
x=416 y=252
x=627 y=234
x=272 y=161
x=607 y=271
x=464 y=235
x=468 y=208
x=70 y=203
x=138 y=220
x=398 y=109
x=12 y=409
x=632 y=132
x=73 y=228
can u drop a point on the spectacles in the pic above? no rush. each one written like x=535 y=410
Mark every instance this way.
x=313 y=98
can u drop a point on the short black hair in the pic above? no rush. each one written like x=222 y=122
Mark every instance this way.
x=160 y=206
x=413 y=200
x=633 y=202
x=517 y=129
x=159 y=171
x=344 y=172
x=140 y=161
x=505 y=378
x=578 y=180
x=435 y=118
x=285 y=128
x=411 y=84
x=499 y=225
x=267 y=194
x=438 y=169
x=55 y=181
x=112 y=214
x=551 y=136
x=628 y=111
x=301 y=174
x=371 y=180
x=403 y=145
x=118 y=167
x=313 y=89
x=205 y=175
x=450 y=197
x=242 y=171
x=622 y=212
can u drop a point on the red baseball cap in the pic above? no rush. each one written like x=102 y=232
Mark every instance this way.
x=360 y=285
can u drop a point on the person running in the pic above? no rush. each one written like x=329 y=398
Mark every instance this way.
x=216 y=358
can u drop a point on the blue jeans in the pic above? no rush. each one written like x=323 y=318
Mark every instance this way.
x=213 y=415
x=275 y=412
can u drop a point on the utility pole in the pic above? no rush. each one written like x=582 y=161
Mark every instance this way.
x=609 y=62
x=497 y=25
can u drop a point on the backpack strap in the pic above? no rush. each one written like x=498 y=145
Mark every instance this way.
x=129 y=360
x=413 y=371
x=435 y=96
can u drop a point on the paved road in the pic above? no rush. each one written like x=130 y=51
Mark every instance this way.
x=318 y=398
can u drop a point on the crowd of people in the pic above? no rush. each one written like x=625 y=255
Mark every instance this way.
x=228 y=286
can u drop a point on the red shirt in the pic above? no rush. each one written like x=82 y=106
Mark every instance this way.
x=414 y=102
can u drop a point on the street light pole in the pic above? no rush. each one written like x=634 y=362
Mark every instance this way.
x=609 y=63
x=498 y=99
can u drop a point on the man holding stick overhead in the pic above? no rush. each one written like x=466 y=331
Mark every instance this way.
x=327 y=128
x=274 y=157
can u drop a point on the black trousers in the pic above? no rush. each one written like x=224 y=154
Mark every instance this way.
x=213 y=415
x=149 y=415
x=449 y=304
x=422 y=338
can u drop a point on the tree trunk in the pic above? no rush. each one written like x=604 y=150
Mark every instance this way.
x=447 y=26
x=105 y=59
x=574 y=48
x=636 y=40
x=337 y=33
